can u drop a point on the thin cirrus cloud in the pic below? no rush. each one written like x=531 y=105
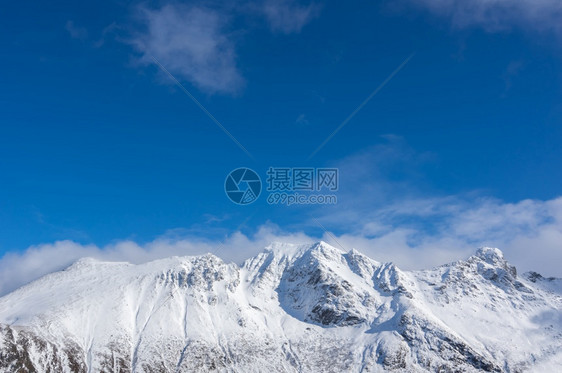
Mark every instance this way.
x=288 y=16
x=499 y=15
x=196 y=43
x=76 y=32
x=192 y=43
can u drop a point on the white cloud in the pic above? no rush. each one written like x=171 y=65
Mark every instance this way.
x=197 y=44
x=191 y=42
x=288 y=16
x=499 y=15
x=388 y=209
x=17 y=269
x=529 y=232
x=384 y=211
x=417 y=233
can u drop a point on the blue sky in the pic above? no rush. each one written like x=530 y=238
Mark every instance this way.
x=98 y=146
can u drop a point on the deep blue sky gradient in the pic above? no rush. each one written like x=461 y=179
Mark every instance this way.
x=95 y=147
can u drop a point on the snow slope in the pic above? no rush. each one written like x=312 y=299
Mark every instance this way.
x=291 y=308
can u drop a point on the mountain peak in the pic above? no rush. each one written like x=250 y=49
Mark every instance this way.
x=490 y=254
x=291 y=250
x=83 y=262
x=491 y=264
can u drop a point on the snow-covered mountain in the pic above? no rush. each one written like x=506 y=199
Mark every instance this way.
x=289 y=309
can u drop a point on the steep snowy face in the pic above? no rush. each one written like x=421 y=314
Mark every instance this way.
x=320 y=287
x=291 y=308
x=323 y=285
x=551 y=284
x=485 y=273
x=484 y=301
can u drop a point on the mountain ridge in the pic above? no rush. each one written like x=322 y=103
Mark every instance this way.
x=291 y=308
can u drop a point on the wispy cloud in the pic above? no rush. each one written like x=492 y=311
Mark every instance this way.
x=110 y=29
x=393 y=213
x=193 y=44
x=512 y=70
x=529 y=232
x=499 y=15
x=197 y=43
x=302 y=120
x=288 y=16
x=418 y=231
x=76 y=32
x=385 y=211
x=17 y=269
